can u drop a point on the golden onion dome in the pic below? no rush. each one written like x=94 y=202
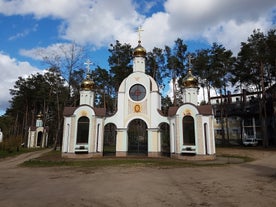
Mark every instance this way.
x=190 y=81
x=87 y=84
x=139 y=51
x=39 y=115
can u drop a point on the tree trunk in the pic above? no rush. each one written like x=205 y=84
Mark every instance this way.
x=208 y=93
x=174 y=92
x=203 y=89
x=263 y=114
x=222 y=120
x=58 y=120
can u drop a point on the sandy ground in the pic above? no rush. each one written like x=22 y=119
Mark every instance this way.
x=246 y=184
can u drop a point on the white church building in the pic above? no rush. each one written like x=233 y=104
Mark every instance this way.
x=38 y=134
x=138 y=127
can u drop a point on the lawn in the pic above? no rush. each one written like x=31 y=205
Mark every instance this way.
x=54 y=159
x=16 y=151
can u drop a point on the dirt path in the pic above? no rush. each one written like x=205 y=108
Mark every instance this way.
x=13 y=162
x=248 y=184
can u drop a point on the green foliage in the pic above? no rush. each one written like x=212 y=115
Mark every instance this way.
x=45 y=93
x=175 y=65
x=214 y=67
x=166 y=104
x=119 y=62
x=10 y=146
x=155 y=66
x=256 y=60
x=105 y=90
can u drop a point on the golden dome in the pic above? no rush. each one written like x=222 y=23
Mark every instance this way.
x=39 y=115
x=190 y=81
x=87 y=84
x=139 y=51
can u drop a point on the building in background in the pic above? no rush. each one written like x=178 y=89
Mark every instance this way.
x=238 y=120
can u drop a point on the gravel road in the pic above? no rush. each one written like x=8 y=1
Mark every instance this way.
x=246 y=184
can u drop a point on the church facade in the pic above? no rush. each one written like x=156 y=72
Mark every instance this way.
x=38 y=134
x=138 y=127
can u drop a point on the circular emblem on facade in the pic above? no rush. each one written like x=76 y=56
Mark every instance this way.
x=137 y=108
x=137 y=92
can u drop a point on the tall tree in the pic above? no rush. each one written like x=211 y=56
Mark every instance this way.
x=254 y=67
x=221 y=62
x=38 y=93
x=120 y=62
x=155 y=65
x=105 y=90
x=202 y=68
x=53 y=108
x=175 y=59
x=67 y=58
x=271 y=55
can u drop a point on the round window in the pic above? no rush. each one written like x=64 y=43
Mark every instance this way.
x=137 y=92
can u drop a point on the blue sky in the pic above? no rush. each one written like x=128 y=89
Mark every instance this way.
x=29 y=25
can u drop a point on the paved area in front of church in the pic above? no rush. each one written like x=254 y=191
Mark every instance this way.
x=246 y=184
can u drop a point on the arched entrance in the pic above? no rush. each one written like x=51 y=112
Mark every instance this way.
x=39 y=139
x=165 y=138
x=83 y=130
x=137 y=137
x=188 y=130
x=110 y=132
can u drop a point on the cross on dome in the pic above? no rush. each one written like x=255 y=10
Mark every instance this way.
x=139 y=51
x=88 y=63
x=190 y=61
x=139 y=30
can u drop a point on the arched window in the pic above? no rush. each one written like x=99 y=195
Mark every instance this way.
x=83 y=130
x=188 y=124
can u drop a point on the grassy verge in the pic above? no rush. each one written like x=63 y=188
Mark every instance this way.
x=16 y=151
x=244 y=158
x=54 y=159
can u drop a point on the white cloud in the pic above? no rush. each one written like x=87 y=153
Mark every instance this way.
x=226 y=22
x=24 y=33
x=86 y=21
x=231 y=34
x=56 y=54
x=102 y=22
x=41 y=8
x=11 y=69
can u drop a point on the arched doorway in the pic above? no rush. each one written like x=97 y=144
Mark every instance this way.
x=206 y=138
x=188 y=130
x=110 y=132
x=39 y=139
x=165 y=138
x=83 y=130
x=137 y=137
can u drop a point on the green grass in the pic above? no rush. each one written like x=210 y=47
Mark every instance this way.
x=14 y=152
x=54 y=159
x=103 y=162
x=244 y=158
